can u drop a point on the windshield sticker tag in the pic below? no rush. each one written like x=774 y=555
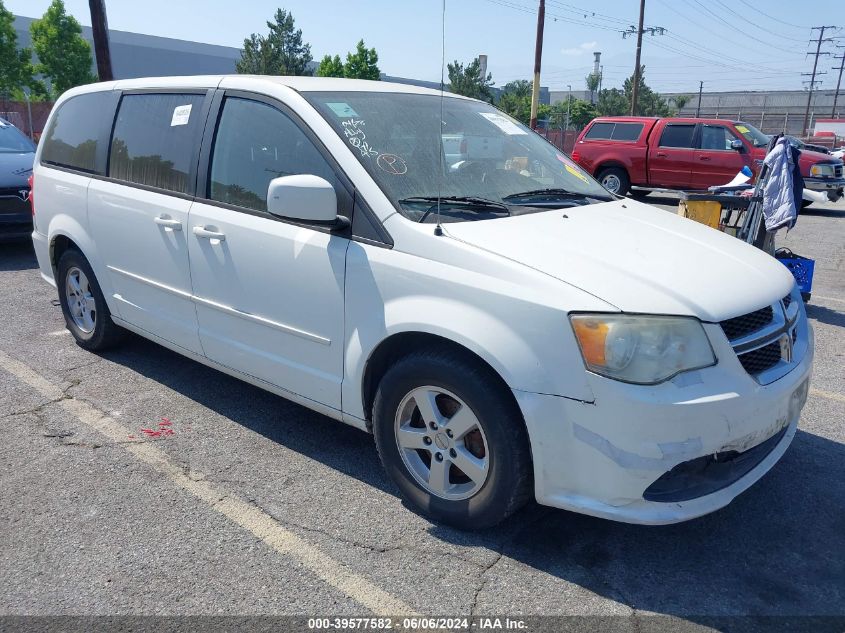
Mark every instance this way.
x=742 y=129
x=392 y=164
x=343 y=110
x=503 y=123
x=572 y=170
x=353 y=130
x=181 y=114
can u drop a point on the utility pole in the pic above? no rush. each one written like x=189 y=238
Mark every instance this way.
x=841 y=59
x=100 y=29
x=538 y=57
x=636 y=88
x=698 y=107
x=638 y=31
x=568 y=105
x=819 y=42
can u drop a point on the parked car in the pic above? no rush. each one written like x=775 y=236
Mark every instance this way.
x=504 y=329
x=637 y=153
x=803 y=146
x=838 y=153
x=17 y=154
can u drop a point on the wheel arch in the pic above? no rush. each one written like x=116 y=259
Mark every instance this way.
x=402 y=344
x=611 y=163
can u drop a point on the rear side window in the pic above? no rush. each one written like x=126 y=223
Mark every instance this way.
x=614 y=131
x=72 y=138
x=677 y=135
x=154 y=140
x=600 y=131
x=255 y=143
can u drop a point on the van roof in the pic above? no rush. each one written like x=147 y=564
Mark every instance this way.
x=300 y=84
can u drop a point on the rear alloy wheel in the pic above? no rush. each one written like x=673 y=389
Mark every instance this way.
x=83 y=305
x=615 y=180
x=451 y=437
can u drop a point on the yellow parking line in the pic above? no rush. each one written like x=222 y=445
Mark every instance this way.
x=826 y=394
x=249 y=517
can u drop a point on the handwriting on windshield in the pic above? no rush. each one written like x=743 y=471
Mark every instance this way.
x=354 y=131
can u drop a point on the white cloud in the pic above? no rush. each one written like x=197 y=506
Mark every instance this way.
x=578 y=50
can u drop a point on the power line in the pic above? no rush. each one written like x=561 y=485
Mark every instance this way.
x=778 y=35
x=821 y=30
x=707 y=11
x=838 y=81
x=771 y=17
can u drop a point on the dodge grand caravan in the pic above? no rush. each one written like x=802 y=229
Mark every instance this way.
x=501 y=323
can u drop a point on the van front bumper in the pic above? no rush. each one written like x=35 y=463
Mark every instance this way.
x=665 y=453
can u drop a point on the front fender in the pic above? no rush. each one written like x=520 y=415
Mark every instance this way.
x=528 y=342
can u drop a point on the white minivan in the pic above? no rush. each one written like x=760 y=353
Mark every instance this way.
x=501 y=324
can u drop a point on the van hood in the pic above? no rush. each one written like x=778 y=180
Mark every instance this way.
x=637 y=258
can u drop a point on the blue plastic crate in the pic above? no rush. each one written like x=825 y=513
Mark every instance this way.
x=801 y=268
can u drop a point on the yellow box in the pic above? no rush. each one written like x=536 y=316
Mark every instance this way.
x=707 y=212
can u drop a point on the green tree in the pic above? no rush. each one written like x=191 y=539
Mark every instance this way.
x=649 y=103
x=362 y=64
x=680 y=101
x=613 y=102
x=281 y=52
x=330 y=67
x=64 y=57
x=592 y=82
x=255 y=57
x=16 y=68
x=518 y=87
x=467 y=81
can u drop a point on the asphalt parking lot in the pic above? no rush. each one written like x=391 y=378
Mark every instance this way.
x=235 y=501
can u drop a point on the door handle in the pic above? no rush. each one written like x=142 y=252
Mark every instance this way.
x=703 y=158
x=168 y=223
x=201 y=231
x=660 y=154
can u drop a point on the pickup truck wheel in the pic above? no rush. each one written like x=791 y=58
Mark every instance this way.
x=83 y=305
x=454 y=444
x=615 y=180
x=639 y=194
x=806 y=203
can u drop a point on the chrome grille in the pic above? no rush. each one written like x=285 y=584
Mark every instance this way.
x=744 y=325
x=761 y=359
x=770 y=341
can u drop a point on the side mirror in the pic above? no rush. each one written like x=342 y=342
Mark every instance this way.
x=737 y=145
x=306 y=198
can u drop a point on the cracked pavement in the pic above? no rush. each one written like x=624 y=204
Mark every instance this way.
x=94 y=531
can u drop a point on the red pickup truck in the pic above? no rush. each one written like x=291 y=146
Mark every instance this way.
x=640 y=153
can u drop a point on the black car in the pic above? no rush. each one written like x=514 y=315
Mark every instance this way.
x=17 y=155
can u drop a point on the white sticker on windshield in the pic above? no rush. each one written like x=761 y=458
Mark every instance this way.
x=181 y=114
x=343 y=110
x=503 y=123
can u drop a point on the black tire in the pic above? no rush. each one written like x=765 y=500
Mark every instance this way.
x=806 y=296
x=105 y=332
x=806 y=203
x=509 y=480
x=615 y=174
x=639 y=194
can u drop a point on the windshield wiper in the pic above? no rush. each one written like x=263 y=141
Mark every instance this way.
x=552 y=193
x=469 y=203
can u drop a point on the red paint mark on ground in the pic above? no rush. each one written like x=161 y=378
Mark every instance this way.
x=131 y=437
x=151 y=433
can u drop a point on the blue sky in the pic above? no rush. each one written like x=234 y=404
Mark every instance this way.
x=729 y=44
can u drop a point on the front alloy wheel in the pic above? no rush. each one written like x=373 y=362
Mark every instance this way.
x=441 y=443
x=451 y=436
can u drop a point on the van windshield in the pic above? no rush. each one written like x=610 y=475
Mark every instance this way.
x=491 y=166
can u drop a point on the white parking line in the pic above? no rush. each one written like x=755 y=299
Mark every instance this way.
x=249 y=517
x=58 y=333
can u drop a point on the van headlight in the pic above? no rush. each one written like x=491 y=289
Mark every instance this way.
x=822 y=171
x=644 y=350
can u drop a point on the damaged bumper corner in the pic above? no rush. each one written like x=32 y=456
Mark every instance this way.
x=662 y=454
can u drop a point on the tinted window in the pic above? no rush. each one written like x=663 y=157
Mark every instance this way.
x=255 y=143
x=677 y=136
x=71 y=140
x=716 y=137
x=154 y=140
x=600 y=131
x=627 y=131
